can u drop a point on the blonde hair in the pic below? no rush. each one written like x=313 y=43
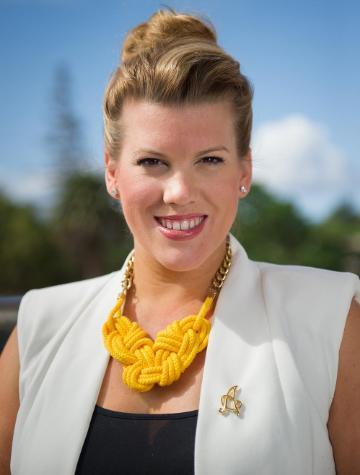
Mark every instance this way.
x=174 y=59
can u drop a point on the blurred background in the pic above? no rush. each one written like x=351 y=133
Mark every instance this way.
x=57 y=223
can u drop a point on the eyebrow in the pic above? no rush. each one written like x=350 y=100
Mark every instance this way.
x=203 y=152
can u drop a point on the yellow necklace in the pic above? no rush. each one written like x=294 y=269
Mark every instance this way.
x=147 y=362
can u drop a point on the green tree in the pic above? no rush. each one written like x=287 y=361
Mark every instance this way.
x=342 y=230
x=275 y=231
x=28 y=257
x=270 y=230
x=91 y=234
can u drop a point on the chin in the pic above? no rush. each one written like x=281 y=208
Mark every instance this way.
x=180 y=260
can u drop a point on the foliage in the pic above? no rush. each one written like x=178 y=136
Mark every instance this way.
x=269 y=229
x=28 y=256
x=275 y=231
x=86 y=235
x=92 y=236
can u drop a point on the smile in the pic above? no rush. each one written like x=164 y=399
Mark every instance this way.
x=181 y=224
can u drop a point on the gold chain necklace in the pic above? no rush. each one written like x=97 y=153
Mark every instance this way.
x=147 y=362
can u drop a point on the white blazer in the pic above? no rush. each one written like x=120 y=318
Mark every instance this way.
x=276 y=334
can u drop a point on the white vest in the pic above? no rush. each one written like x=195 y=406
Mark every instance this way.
x=276 y=335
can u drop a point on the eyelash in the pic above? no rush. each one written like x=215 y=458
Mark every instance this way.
x=148 y=162
x=151 y=162
x=212 y=160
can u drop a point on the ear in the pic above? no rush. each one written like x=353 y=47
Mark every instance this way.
x=245 y=174
x=111 y=176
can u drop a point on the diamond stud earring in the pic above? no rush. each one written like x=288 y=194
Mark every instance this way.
x=115 y=192
x=243 y=189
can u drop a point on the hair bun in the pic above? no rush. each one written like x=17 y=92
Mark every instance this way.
x=163 y=27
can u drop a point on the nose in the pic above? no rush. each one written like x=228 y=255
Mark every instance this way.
x=179 y=190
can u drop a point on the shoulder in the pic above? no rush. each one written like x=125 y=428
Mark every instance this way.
x=295 y=274
x=43 y=311
x=58 y=298
x=311 y=303
x=67 y=290
x=296 y=286
x=298 y=297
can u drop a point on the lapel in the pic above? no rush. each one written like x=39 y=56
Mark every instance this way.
x=57 y=420
x=239 y=329
x=248 y=349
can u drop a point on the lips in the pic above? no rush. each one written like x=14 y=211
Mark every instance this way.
x=181 y=223
x=181 y=226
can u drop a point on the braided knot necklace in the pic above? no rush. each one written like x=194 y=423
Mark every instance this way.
x=147 y=362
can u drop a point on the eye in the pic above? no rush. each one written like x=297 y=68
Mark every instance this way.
x=212 y=160
x=149 y=162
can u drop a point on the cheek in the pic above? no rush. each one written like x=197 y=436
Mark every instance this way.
x=226 y=193
x=137 y=193
x=226 y=189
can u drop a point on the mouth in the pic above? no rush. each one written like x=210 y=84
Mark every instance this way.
x=181 y=223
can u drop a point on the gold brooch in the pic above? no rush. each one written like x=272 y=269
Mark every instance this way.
x=230 y=403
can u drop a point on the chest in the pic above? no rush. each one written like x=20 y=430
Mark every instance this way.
x=183 y=395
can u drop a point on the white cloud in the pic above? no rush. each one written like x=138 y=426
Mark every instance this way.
x=295 y=158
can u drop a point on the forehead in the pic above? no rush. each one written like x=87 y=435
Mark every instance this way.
x=187 y=126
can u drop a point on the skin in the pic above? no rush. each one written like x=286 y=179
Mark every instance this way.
x=177 y=272
x=177 y=179
x=9 y=399
x=344 y=416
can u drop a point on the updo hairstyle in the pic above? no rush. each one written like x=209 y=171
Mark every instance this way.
x=174 y=59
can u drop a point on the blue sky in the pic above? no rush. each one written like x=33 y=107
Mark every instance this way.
x=302 y=58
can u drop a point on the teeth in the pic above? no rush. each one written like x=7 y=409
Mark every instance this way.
x=183 y=225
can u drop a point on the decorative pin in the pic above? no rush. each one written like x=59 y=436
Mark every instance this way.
x=230 y=403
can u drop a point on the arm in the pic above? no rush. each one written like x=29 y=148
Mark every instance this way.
x=344 y=417
x=9 y=399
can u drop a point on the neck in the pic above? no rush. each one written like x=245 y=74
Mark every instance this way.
x=151 y=278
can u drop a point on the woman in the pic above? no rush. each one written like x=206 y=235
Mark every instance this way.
x=252 y=361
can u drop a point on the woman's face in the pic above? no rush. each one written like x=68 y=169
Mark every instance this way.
x=179 y=178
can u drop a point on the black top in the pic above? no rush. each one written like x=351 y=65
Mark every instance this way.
x=138 y=444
